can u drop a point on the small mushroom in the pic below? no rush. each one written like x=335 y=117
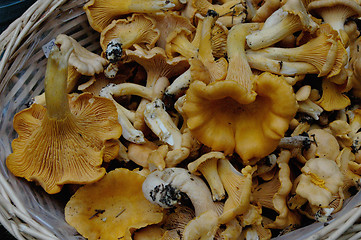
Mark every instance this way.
x=320 y=179
x=136 y=29
x=67 y=139
x=207 y=166
x=102 y=211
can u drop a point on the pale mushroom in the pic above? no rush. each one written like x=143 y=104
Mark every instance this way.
x=320 y=179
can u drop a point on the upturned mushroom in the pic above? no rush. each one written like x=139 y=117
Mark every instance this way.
x=238 y=187
x=101 y=13
x=136 y=29
x=44 y=151
x=100 y=211
x=320 y=178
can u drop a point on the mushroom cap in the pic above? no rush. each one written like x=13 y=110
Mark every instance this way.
x=332 y=97
x=354 y=6
x=320 y=179
x=121 y=209
x=324 y=145
x=51 y=143
x=138 y=28
x=218 y=117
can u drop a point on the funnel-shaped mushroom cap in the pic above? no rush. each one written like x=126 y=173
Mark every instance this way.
x=112 y=208
x=65 y=142
x=138 y=28
x=219 y=118
x=101 y=13
x=332 y=97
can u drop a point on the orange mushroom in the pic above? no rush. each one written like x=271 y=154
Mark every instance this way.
x=65 y=142
x=219 y=118
x=102 y=211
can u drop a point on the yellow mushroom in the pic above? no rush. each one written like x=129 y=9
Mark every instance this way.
x=207 y=166
x=332 y=97
x=102 y=211
x=238 y=187
x=203 y=227
x=101 y=13
x=136 y=29
x=217 y=116
x=273 y=194
x=65 y=142
x=320 y=179
x=323 y=145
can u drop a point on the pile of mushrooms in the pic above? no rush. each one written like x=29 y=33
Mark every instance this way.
x=223 y=119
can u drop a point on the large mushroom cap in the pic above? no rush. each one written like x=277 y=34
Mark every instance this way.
x=112 y=208
x=218 y=117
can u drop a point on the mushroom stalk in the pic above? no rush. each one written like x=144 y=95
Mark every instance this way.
x=55 y=84
x=180 y=83
x=295 y=142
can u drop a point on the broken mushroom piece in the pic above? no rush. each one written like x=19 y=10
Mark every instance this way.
x=320 y=179
x=101 y=13
x=207 y=166
x=102 y=211
x=136 y=29
x=164 y=188
x=219 y=118
x=84 y=61
x=63 y=143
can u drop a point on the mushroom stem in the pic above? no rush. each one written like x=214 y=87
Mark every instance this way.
x=180 y=83
x=56 y=83
x=238 y=68
x=295 y=142
x=128 y=89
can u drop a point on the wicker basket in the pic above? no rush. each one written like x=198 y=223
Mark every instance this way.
x=26 y=211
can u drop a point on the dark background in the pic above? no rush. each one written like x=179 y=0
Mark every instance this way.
x=9 y=11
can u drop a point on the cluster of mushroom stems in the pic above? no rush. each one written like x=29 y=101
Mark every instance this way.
x=228 y=119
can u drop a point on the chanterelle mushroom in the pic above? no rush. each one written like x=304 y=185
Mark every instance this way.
x=102 y=211
x=63 y=143
x=320 y=179
x=218 y=117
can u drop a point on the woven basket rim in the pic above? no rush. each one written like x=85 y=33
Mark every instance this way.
x=14 y=215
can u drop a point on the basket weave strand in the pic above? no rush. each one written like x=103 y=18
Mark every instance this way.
x=26 y=211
